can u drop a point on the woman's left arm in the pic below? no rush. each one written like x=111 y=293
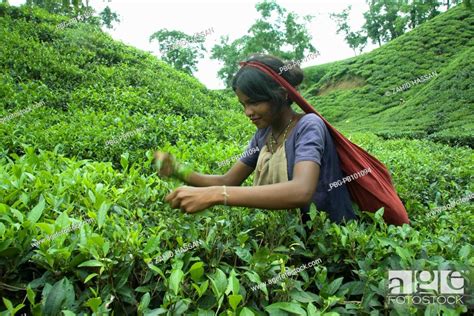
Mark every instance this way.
x=286 y=195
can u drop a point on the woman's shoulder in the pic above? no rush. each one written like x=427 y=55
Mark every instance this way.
x=309 y=124
x=310 y=119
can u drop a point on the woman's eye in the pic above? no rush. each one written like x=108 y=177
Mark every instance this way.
x=250 y=103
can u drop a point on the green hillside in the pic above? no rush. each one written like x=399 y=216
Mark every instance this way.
x=82 y=76
x=83 y=221
x=365 y=93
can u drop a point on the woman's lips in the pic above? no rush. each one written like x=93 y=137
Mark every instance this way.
x=255 y=120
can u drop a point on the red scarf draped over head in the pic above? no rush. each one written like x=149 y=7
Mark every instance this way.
x=369 y=192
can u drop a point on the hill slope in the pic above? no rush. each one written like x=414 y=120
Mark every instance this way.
x=370 y=92
x=94 y=90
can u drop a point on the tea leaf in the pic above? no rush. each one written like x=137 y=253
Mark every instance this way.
x=35 y=214
x=288 y=307
x=197 y=271
x=175 y=279
x=234 y=301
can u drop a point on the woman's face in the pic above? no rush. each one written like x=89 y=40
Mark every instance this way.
x=258 y=112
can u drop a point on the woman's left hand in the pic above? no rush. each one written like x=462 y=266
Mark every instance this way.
x=192 y=199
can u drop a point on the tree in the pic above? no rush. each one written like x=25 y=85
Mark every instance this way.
x=231 y=54
x=356 y=40
x=109 y=17
x=276 y=32
x=455 y=2
x=373 y=23
x=393 y=23
x=383 y=22
x=387 y=19
x=419 y=12
x=65 y=7
x=179 y=49
x=78 y=9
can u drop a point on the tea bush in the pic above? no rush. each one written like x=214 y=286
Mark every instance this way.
x=362 y=93
x=110 y=260
x=84 y=229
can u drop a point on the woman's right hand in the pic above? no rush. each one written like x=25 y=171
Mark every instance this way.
x=164 y=163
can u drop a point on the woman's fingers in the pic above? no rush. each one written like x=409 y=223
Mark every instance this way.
x=163 y=163
x=174 y=201
x=171 y=196
x=177 y=197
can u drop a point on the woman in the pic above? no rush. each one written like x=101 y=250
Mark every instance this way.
x=295 y=162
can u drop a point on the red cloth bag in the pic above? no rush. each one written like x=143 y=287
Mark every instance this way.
x=369 y=192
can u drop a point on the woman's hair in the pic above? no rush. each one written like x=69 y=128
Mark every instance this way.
x=259 y=86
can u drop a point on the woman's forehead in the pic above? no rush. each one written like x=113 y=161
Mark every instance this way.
x=242 y=96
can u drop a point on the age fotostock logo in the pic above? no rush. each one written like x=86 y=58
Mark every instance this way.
x=425 y=287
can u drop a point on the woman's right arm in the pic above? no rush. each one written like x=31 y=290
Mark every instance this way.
x=168 y=166
x=234 y=177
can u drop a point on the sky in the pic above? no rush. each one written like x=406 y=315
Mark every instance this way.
x=141 y=18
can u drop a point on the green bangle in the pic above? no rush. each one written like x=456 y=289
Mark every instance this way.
x=157 y=164
x=182 y=171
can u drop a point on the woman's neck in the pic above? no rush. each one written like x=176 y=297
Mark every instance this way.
x=284 y=119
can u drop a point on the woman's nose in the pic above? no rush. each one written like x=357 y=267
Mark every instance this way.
x=248 y=111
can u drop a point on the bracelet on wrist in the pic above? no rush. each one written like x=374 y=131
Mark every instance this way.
x=225 y=194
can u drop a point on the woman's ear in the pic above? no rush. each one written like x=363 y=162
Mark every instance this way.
x=283 y=93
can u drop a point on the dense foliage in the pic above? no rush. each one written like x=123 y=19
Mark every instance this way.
x=363 y=93
x=387 y=20
x=77 y=166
